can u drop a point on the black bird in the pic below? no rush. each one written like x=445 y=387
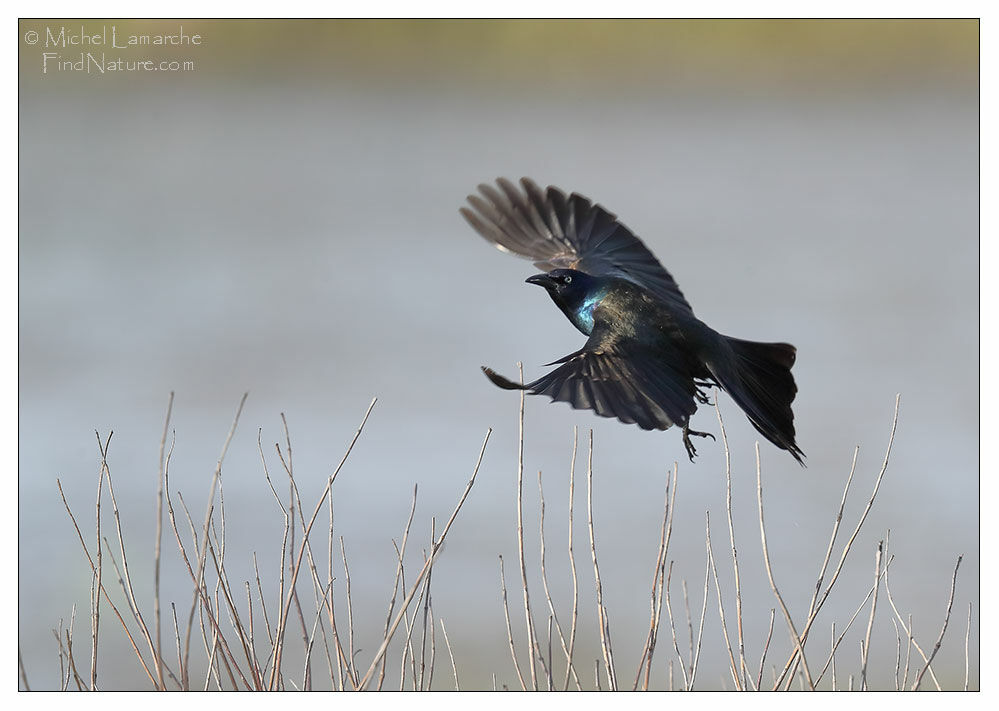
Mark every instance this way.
x=647 y=357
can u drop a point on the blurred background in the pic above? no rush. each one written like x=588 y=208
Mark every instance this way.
x=277 y=213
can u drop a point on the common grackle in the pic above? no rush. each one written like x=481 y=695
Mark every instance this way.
x=647 y=357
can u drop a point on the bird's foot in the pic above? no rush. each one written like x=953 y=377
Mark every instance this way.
x=702 y=398
x=691 y=451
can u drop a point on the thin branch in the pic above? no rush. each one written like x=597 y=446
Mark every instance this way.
x=127 y=585
x=743 y=666
x=21 y=672
x=676 y=644
x=544 y=582
x=936 y=647
x=286 y=605
x=696 y=653
x=158 y=651
x=766 y=646
x=520 y=539
x=658 y=581
x=911 y=640
x=399 y=577
x=849 y=544
x=570 y=669
x=107 y=596
x=97 y=586
x=203 y=548
x=509 y=627
x=605 y=641
x=733 y=667
x=967 y=638
x=856 y=613
x=454 y=667
x=870 y=621
x=435 y=549
x=770 y=575
x=832 y=656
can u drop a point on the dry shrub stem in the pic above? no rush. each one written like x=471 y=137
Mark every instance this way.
x=733 y=668
x=795 y=638
x=815 y=607
x=870 y=620
x=531 y=643
x=943 y=630
x=743 y=666
x=230 y=642
x=602 y=617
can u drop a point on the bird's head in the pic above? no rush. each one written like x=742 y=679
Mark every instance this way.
x=566 y=285
x=575 y=293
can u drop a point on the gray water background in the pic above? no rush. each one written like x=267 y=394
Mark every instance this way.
x=303 y=243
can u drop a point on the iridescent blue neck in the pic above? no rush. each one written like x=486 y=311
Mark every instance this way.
x=582 y=315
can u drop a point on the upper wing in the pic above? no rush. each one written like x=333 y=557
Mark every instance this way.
x=616 y=379
x=569 y=233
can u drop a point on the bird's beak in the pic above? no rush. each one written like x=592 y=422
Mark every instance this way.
x=539 y=279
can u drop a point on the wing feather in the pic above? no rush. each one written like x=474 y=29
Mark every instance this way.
x=636 y=388
x=556 y=231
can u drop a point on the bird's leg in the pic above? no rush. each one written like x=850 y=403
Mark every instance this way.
x=700 y=394
x=686 y=439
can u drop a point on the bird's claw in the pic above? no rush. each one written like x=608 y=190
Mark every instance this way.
x=691 y=451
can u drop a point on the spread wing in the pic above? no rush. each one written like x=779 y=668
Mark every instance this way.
x=568 y=233
x=617 y=380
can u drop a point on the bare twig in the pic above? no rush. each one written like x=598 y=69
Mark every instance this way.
x=97 y=586
x=350 y=612
x=158 y=651
x=427 y=620
x=435 y=549
x=454 y=667
x=672 y=626
x=127 y=585
x=846 y=549
x=911 y=640
x=283 y=618
x=203 y=548
x=570 y=669
x=553 y=618
x=696 y=653
x=898 y=654
x=773 y=585
x=520 y=539
x=107 y=597
x=832 y=657
x=849 y=624
x=766 y=646
x=721 y=607
x=743 y=666
x=870 y=621
x=21 y=672
x=967 y=638
x=605 y=641
x=658 y=583
x=312 y=635
x=509 y=627
x=690 y=622
x=936 y=647
x=399 y=578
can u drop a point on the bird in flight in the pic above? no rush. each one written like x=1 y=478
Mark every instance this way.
x=647 y=358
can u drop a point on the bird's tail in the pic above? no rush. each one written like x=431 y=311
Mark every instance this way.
x=758 y=377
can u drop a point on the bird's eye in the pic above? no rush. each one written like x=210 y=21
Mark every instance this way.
x=567 y=279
